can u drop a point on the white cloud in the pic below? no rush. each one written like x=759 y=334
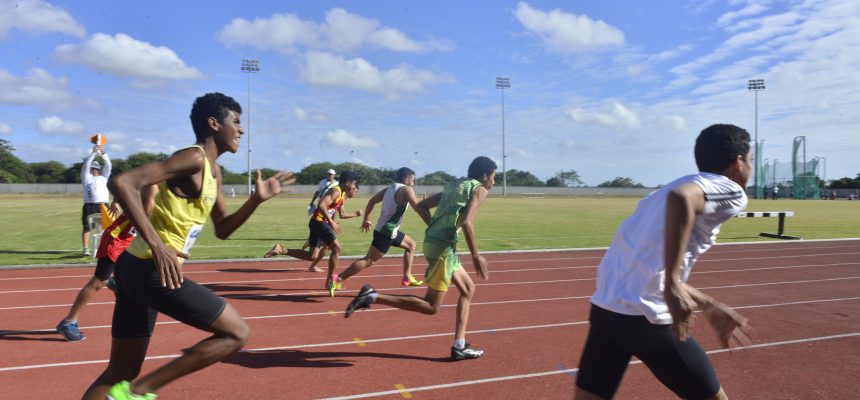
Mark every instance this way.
x=518 y=152
x=55 y=125
x=303 y=115
x=566 y=32
x=753 y=8
x=124 y=56
x=38 y=87
x=673 y=122
x=300 y=113
x=5 y=129
x=326 y=69
x=35 y=16
x=619 y=117
x=347 y=140
x=341 y=31
x=280 y=32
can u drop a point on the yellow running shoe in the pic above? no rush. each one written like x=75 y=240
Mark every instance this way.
x=411 y=282
x=334 y=285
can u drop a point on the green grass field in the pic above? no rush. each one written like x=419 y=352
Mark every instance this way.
x=45 y=229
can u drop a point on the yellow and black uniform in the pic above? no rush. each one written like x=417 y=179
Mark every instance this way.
x=321 y=232
x=139 y=295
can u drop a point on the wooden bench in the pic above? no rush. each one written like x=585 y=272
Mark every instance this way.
x=768 y=214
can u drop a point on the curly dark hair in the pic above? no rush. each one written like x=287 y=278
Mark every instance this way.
x=719 y=145
x=216 y=105
x=481 y=166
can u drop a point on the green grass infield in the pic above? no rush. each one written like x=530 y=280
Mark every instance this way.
x=46 y=229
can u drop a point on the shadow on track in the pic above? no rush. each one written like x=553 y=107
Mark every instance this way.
x=305 y=359
x=32 y=335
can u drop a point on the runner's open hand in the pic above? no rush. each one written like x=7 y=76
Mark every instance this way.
x=336 y=228
x=168 y=266
x=266 y=189
x=481 y=267
x=681 y=306
x=731 y=327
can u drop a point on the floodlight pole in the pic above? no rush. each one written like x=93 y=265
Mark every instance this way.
x=503 y=83
x=756 y=85
x=249 y=67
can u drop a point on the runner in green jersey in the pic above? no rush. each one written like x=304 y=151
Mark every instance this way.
x=456 y=209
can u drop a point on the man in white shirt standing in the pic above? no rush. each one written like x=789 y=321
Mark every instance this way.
x=643 y=306
x=94 y=178
x=325 y=184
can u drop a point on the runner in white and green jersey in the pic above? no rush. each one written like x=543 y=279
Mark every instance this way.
x=395 y=200
x=456 y=208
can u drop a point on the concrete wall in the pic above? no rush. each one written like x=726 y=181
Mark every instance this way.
x=367 y=190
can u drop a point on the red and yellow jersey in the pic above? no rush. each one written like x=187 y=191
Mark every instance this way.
x=339 y=197
x=116 y=238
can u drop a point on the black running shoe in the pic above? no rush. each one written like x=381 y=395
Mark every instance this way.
x=361 y=300
x=466 y=353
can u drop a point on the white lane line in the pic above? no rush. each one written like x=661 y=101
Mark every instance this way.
x=779 y=283
x=529 y=260
x=495 y=272
x=325 y=313
x=574 y=370
x=252 y=296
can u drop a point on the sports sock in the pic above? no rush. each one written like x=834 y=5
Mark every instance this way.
x=373 y=297
x=459 y=344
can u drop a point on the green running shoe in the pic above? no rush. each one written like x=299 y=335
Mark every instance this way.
x=122 y=391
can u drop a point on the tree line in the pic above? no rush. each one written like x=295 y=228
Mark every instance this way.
x=14 y=170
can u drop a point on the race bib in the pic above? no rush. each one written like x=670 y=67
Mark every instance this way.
x=193 y=233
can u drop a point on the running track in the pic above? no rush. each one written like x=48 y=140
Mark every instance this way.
x=803 y=298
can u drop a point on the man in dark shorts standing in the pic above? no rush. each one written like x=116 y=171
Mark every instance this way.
x=643 y=306
x=149 y=273
x=94 y=177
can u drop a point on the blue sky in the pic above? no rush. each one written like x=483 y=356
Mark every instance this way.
x=608 y=88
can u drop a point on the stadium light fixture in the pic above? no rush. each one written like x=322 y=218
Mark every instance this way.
x=249 y=67
x=503 y=83
x=756 y=85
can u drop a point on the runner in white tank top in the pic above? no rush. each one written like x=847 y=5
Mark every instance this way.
x=643 y=306
x=395 y=200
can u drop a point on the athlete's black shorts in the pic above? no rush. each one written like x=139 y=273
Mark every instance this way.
x=384 y=242
x=140 y=297
x=104 y=268
x=87 y=209
x=321 y=234
x=613 y=338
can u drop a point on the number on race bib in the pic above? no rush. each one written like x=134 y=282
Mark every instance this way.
x=193 y=233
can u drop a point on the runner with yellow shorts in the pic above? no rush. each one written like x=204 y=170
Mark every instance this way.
x=456 y=209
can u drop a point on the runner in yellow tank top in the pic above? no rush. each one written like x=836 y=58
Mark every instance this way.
x=149 y=276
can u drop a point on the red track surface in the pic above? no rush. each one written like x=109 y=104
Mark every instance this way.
x=803 y=298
